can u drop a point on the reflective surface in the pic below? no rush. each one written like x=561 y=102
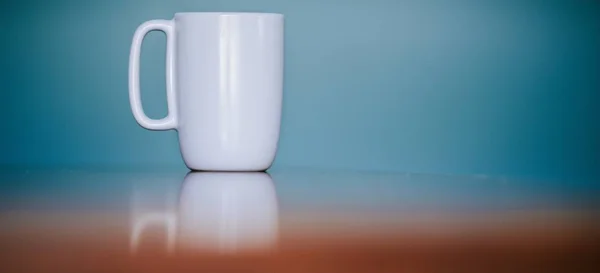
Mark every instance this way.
x=220 y=212
x=290 y=221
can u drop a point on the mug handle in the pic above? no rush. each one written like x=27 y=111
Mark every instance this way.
x=170 y=121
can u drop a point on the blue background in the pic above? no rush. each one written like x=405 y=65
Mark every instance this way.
x=508 y=88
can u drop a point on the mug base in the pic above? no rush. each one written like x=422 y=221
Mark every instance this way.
x=222 y=162
x=228 y=170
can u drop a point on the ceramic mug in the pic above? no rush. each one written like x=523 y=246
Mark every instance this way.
x=224 y=74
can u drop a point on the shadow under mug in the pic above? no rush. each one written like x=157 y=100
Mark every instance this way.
x=218 y=212
x=224 y=74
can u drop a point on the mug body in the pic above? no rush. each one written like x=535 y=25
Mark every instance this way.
x=228 y=70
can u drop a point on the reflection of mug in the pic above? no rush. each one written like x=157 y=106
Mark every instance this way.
x=224 y=87
x=222 y=212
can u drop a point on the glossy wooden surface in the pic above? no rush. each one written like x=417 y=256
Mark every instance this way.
x=320 y=221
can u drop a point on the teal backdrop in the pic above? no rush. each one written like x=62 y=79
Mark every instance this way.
x=508 y=88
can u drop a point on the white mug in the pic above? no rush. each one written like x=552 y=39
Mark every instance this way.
x=224 y=74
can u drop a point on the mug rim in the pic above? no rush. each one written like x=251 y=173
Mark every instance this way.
x=241 y=13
